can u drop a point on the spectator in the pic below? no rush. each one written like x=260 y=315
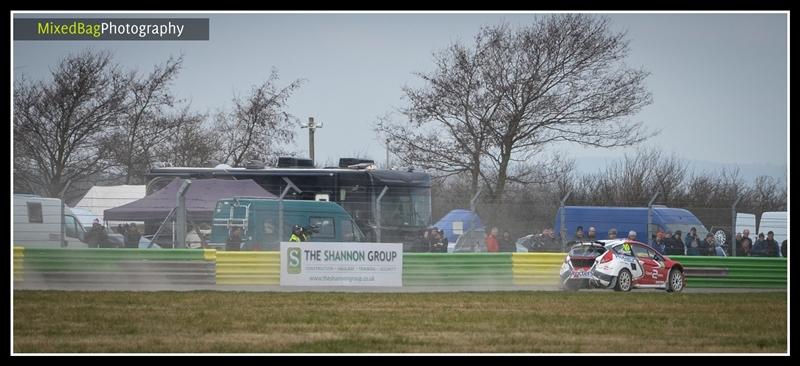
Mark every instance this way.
x=548 y=241
x=424 y=241
x=691 y=235
x=579 y=233
x=97 y=235
x=694 y=246
x=631 y=235
x=612 y=233
x=746 y=234
x=738 y=240
x=784 y=244
x=445 y=242
x=234 y=242
x=133 y=236
x=673 y=244
x=767 y=247
x=744 y=248
x=592 y=233
x=439 y=242
x=659 y=244
x=506 y=243
x=678 y=237
x=492 y=246
x=707 y=245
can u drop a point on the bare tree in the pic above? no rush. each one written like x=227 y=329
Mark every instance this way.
x=449 y=119
x=516 y=92
x=60 y=124
x=191 y=144
x=258 y=124
x=146 y=123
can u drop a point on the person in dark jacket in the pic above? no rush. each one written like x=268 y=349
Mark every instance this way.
x=506 y=243
x=592 y=233
x=659 y=245
x=707 y=247
x=767 y=247
x=693 y=247
x=579 y=234
x=673 y=243
x=745 y=246
x=234 y=242
x=690 y=236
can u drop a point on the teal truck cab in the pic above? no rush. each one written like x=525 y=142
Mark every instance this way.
x=255 y=222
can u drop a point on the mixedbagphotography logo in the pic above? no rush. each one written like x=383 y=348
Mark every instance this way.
x=294 y=260
x=118 y=29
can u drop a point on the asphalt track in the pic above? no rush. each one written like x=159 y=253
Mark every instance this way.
x=410 y=289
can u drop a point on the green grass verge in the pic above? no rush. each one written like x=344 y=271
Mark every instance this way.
x=508 y=322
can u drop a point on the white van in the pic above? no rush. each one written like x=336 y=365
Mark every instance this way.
x=746 y=221
x=37 y=224
x=777 y=222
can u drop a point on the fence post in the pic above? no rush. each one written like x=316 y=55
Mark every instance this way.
x=563 y=228
x=378 y=213
x=63 y=222
x=733 y=226
x=650 y=215
x=180 y=216
x=474 y=200
x=289 y=185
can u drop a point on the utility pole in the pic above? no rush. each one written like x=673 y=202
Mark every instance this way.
x=311 y=126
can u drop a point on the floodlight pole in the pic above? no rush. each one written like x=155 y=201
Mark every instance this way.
x=311 y=126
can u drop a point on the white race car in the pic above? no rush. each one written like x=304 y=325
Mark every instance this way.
x=621 y=264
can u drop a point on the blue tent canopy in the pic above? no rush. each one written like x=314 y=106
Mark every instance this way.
x=457 y=222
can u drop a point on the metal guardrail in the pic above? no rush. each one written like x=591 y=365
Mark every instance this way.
x=209 y=266
x=116 y=266
x=248 y=268
x=457 y=269
x=742 y=272
x=536 y=268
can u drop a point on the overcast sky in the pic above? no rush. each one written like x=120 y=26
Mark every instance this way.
x=719 y=81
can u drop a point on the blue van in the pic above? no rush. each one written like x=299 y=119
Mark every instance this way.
x=257 y=219
x=625 y=219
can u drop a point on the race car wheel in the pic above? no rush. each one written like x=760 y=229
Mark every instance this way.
x=570 y=286
x=624 y=280
x=676 y=281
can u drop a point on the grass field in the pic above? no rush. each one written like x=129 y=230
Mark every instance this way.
x=508 y=322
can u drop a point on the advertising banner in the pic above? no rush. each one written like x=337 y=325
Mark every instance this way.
x=341 y=264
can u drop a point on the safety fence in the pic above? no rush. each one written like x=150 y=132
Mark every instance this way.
x=248 y=268
x=186 y=266
x=734 y=271
x=457 y=269
x=114 y=266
